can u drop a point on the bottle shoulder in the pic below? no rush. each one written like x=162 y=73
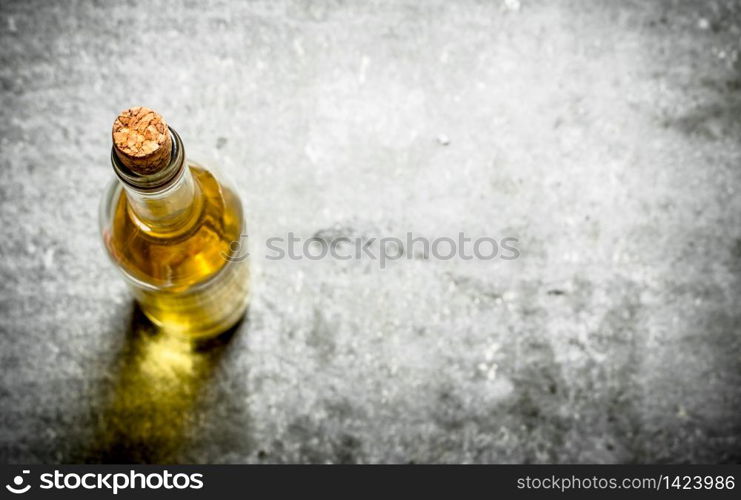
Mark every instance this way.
x=180 y=259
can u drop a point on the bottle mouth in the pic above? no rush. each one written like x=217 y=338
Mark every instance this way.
x=158 y=180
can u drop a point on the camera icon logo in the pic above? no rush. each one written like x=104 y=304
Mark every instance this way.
x=18 y=489
x=237 y=250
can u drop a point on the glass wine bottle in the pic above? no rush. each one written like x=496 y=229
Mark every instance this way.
x=175 y=230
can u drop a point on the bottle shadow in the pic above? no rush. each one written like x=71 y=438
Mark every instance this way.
x=150 y=404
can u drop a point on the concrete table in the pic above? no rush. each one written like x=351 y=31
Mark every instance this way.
x=603 y=136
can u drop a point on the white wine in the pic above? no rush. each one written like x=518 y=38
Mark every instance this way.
x=175 y=243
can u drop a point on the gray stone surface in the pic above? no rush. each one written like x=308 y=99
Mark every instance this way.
x=603 y=135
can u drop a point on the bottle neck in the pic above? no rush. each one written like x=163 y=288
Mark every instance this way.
x=168 y=209
x=166 y=201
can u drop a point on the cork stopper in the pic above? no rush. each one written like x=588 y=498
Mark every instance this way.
x=142 y=140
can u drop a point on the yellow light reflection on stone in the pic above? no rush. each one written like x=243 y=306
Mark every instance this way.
x=152 y=403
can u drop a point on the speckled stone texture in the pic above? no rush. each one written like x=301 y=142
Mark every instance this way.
x=603 y=135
